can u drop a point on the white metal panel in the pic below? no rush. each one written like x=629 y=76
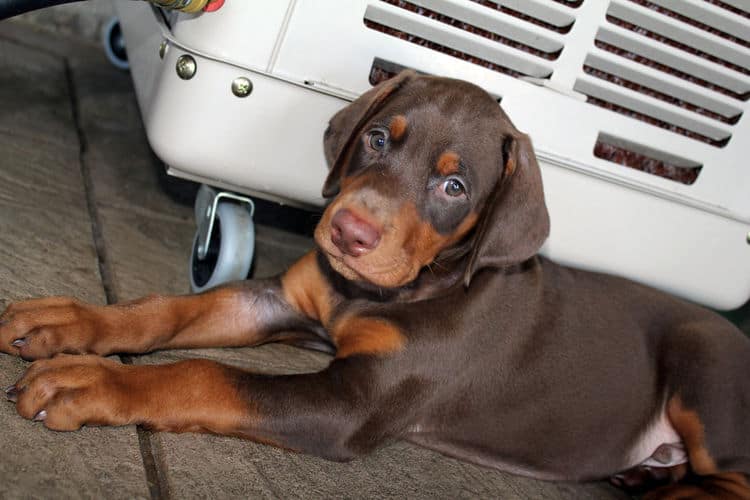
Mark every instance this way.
x=652 y=107
x=711 y=15
x=663 y=82
x=143 y=37
x=688 y=239
x=738 y=4
x=495 y=22
x=278 y=151
x=690 y=253
x=457 y=39
x=231 y=34
x=706 y=70
x=543 y=10
x=680 y=32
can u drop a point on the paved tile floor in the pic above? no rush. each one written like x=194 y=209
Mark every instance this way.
x=81 y=214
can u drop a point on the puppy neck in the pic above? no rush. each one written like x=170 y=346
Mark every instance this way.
x=431 y=281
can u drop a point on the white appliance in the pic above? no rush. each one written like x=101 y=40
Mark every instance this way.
x=660 y=83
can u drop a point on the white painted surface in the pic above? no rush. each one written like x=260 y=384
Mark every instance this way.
x=687 y=239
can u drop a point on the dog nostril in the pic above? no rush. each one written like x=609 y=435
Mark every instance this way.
x=352 y=235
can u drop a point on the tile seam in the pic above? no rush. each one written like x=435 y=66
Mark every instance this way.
x=157 y=488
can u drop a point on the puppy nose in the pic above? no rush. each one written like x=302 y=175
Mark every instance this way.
x=352 y=235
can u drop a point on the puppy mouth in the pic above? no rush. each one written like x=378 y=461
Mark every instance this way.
x=387 y=275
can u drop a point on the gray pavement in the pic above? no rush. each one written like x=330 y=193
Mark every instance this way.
x=81 y=214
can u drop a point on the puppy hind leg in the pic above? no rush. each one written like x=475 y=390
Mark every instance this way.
x=709 y=407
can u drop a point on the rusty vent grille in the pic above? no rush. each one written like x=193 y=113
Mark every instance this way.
x=514 y=37
x=646 y=159
x=681 y=65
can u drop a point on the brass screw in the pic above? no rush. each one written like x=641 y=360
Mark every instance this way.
x=242 y=87
x=186 y=67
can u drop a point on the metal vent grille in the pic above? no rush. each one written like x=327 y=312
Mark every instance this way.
x=485 y=32
x=682 y=65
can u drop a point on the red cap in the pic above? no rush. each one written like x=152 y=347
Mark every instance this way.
x=213 y=5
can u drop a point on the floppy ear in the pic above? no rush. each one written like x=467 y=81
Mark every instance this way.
x=515 y=222
x=346 y=125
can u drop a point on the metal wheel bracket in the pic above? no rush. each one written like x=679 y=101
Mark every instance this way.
x=206 y=202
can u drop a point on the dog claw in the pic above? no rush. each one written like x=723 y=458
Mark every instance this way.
x=39 y=417
x=11 y=393
x=19 y=342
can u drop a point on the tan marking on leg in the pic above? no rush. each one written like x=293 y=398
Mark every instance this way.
x=398 y=127
x=360 y=335
x=448 y=163
x=188 y=396
x=722 y=486
x=307 y=290
x=705 y=482
x=688 y=425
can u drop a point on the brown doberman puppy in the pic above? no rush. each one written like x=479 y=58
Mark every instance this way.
x=448 y=330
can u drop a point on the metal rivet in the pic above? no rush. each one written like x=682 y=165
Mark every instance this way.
x=748 y=238
x=242 y=87
x=163 y=46
x=186 y=67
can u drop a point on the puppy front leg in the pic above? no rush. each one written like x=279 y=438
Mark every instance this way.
x=319 y=413
x=240 y=314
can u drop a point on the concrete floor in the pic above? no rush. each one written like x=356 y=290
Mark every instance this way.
x=81 y=214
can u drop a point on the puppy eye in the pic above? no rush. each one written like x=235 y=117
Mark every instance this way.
x=453 y=187
x=377 y=140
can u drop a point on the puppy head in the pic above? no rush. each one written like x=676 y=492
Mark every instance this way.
x=423 y=166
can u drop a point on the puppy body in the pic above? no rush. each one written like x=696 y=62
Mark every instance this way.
x=447 y=329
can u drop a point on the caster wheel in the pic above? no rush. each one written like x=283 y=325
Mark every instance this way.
x=114 y=44
x=230 y=249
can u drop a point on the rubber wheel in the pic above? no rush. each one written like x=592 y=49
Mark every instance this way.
x=114 y=44
x=230 y=250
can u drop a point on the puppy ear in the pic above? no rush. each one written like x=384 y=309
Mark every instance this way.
x=515 y=221
x=346 y=125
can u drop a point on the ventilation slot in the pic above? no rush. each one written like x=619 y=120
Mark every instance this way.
x=382 y=70
x=646 y=159
x=662 y=87
x=738 y=7
x=717 y=23
x=570 y=3
x=483 y=32
x=543 y=15
x=647 y=22
x=657 y=78
x=689 y=70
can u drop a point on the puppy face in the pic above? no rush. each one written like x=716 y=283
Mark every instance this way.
x=414 y=178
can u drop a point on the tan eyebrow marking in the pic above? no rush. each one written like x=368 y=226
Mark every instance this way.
x=398 y=127
x=448 y=163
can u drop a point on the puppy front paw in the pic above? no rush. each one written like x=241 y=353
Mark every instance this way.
x=67 y=392
x=41 y=328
